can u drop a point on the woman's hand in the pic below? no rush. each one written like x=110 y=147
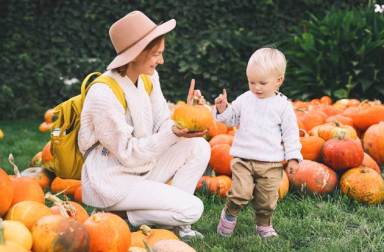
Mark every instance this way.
x=221 y=102
x=194 y=95
x=186 y=133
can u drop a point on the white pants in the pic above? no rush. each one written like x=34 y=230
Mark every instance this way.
x=151 y=201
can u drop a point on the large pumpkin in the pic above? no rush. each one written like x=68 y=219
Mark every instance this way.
x=341 y=154
x=58 y=233
x=313 y=177
x=192 y=117
x=220 y=160
x=6 y=192
x=374 y=142
x=108 y=232
x=151 y=236
x=363 y=184
x=284 y=186
x=365 y=115
x=28 y=212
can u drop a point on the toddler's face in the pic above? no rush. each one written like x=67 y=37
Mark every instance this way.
x=263 y=84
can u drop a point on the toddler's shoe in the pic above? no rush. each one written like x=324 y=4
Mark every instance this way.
x=266 y=232
x=186 y=233
x=226 y=227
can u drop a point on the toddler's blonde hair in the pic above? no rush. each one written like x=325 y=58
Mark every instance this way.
x=268 y=59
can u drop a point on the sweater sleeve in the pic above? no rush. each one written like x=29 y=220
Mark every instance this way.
x=290 y=134
x=231 y=116
x=161 y=114
x=116 y=135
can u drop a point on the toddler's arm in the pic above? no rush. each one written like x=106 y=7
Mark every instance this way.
x=228 y=114
x=290 y=134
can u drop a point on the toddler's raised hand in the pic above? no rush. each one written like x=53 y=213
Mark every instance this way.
x=221 y=102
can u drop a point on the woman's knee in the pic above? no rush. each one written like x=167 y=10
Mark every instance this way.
x=201 y=148
x=191 y=213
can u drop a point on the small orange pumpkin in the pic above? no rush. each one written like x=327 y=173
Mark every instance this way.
x=192 y=117
x=311 y=146
x=151 y=236
x=6 y=192
x=220 y=160
x=220 y=185
x=108 y=232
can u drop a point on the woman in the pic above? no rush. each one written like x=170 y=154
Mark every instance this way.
x=140 y=149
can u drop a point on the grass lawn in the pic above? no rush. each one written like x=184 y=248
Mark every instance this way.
x=305 y=223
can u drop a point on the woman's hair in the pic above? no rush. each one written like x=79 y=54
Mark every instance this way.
x=123 y=69
x=269 y=59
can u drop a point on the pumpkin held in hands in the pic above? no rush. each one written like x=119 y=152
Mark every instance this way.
x=192 y=117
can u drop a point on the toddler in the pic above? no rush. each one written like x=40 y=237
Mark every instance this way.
x=268 y=135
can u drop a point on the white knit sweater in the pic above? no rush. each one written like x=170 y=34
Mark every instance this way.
x=268 y=128
x=130 y=141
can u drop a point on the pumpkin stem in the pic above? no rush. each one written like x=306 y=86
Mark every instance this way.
x=145 y=229
x=65 y=208
x=2 y=239
x=11 y=160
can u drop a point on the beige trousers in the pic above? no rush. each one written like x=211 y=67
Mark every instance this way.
x=258 y=181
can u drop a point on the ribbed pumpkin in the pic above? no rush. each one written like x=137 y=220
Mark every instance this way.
x=108 y=232
x=192 y=117
x=58 y=233
x=220 y=160
x=313 y=177
x=151 y=236
x=6 y=192
x=28 y=212
x=221 y=139
x=284 y=186
x=342 y=154
x=363 y=184
x=311 y=146
x=220 y=185
x=370 y=163
x=374 y=142
x=17 y=232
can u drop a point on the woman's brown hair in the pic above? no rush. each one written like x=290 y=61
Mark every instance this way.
x=123 y=69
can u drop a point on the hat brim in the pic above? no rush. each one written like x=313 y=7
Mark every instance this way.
x=131 y=53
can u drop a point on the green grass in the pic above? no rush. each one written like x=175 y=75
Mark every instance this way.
x=305 y=223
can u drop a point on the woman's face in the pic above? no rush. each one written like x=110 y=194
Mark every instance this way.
x=148 y=60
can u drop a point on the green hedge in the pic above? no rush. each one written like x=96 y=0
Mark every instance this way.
x=45 y=42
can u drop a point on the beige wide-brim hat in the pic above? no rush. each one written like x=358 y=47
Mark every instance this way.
x=132 y=33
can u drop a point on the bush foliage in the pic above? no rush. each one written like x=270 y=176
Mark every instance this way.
x=45 y=44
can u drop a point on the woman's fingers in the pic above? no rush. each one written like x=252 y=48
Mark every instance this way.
x=224 y=93
x=191 y=92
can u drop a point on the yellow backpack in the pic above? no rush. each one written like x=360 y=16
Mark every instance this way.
x=67 y=159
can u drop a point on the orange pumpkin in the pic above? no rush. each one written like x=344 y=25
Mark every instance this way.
x=313 y=177
x=151 y=236
x=68 y=186
x=342 y=154
x=58 y=233
x=67 y=208
x=220 y=185
x=221 y=139
x=107 y=225
x=313 y=118
x=363 y=184
x=340 y=119
x=370 y=163
x=326 y=100
x=365 y=116
x=78 y=196
x=374 y=142
x=6 y=192
x=220 y=160
x=28 y=212
x=203 y=183
x=311 y=146
x=284 y=186
x=39 y=174
x=192 y=117
x=217 y=128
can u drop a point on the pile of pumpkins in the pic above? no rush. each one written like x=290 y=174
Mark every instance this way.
x=342 y=146
x=37 y=220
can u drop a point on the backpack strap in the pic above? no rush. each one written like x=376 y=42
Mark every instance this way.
x=147 y=83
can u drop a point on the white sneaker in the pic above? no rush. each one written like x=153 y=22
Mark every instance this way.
x=186 y=233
